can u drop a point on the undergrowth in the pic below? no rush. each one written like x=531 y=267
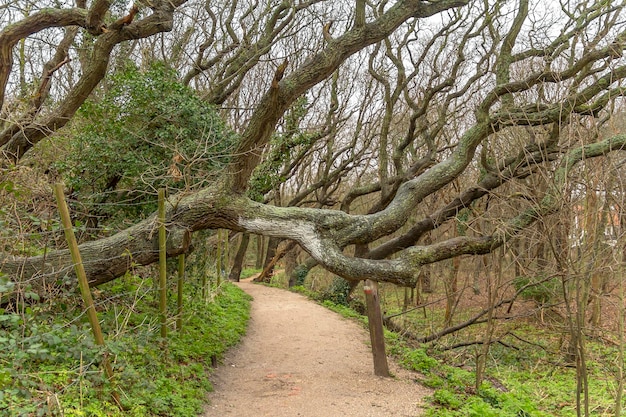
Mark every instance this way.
x=50 y=366
x=524 y=382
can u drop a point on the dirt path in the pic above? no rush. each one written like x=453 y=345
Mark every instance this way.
x=300 y=359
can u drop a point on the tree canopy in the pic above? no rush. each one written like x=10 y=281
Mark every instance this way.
x=364 y=125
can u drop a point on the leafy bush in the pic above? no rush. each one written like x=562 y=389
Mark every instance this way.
x=145 y=131
x=447 y=399
x=418 y=360
x=300 y=272
x=338 y=292
x=540 y=289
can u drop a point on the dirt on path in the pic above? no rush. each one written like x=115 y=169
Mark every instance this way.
x=300 y=359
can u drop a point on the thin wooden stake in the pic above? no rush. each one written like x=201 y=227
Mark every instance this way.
x=375 y=323
x=179 y=287
x=162 y=264
x=218 y=262
x=203 y=284
x=226 y=262
x=83 y=284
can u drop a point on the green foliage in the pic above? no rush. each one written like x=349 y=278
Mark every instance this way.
x=540 y=289
x=553 y=389
x=49 y=364
x=418 y=360
x=248 y=272
x=338 y=292
x=301 y=289
x=283 y=146
x=146 y=131
x=455 y=395
x=447 y=399
x=300 y=272
x=344 y=310
x=6 y=285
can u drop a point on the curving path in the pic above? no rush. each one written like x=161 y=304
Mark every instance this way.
x=300 y=359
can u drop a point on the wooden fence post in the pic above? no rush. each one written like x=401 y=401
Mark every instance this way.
x=179 y=287
x=82 y=280
x=218 y=261
x=375 y=323
x=162 y=264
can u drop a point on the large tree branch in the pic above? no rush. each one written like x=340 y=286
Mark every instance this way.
x=10 y=35
x=319 y=67
x=59 y=59
x=612 y=51
x=317 y=231
x=549 y=204
x=517 y=166
x=18 y=139
x=324 y=233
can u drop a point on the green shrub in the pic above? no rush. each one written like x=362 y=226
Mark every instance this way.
x=49 y=364
x=540 y=289
x=418 y=360
x=447 y=399
x=338 y=292
x=300 y=272
x=144 y=131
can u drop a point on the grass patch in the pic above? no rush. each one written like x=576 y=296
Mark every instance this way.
x=344 y=311
x=248 y=272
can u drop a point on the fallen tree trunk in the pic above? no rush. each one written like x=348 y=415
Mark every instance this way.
x=322 y=233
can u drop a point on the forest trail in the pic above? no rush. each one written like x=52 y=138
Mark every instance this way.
x=300 y=359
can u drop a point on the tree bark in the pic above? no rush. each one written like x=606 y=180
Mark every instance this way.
x=270 y=261
x=291 y=262
x=322 y=233
x=375 y=324
x=235 y=271
x=260 y=251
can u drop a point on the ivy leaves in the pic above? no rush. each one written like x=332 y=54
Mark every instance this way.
x=283 y=147
x=144 y=131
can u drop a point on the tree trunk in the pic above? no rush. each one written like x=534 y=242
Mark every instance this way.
x=270 y=252
x=540 y=252
x=235 y=271
x=266 y=274
x=268 y=265
x=375 y=323
x=260 y=250
x=291 y=262
x=598 y=279
x=425 y=281
x=322 y=233
x=424 y=274
x=451 y=283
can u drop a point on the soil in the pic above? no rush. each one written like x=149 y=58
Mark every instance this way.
x=300 y=359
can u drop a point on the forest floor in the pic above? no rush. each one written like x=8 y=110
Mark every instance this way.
x=300 y=359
